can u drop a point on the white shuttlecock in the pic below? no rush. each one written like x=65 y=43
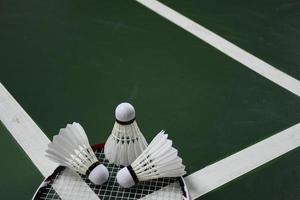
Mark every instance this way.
x=158 y=160
x=126 y=142
x=71 y=148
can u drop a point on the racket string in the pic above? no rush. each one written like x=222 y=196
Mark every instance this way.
x=148 y=190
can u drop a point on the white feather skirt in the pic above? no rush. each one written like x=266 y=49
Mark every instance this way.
x=125 y=144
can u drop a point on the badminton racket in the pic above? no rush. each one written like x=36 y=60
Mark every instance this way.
x=66 y=184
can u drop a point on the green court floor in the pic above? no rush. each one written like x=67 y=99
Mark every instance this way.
x=76 y=60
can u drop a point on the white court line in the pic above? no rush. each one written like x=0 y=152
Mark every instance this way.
x=238 y=164
x=70 y=179
x=34 y=142
x=28 y=135
x=228 y=48
x=215 y=175
x=26 y=132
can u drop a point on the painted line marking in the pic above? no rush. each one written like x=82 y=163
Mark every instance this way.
x=238 y=164
x=26 y=132
x=34 y=142
x=28 y=135
x=228 y=48
x=81 y=191
x=221 y=172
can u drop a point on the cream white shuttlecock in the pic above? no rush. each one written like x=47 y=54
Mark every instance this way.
x=158 y=160
x=126 y=142
x=71 y=148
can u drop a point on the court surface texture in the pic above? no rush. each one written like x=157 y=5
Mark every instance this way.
x=218 y=76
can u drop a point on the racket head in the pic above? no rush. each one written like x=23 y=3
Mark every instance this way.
x=66 y=184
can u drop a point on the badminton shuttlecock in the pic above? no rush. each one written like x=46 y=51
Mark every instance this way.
x=158 y=160
x=71 y=148
x=126 y=142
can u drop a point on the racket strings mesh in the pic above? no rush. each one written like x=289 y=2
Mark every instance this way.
x=69 y=185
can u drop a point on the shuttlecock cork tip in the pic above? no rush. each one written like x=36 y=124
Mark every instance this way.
x=125 y=113
x=99 y=175
x=125 y=178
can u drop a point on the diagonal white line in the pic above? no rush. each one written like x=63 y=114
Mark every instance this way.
x=65 y=184
x=219 y=173
x=28 y=135
x=238 y=164
x=228 y=48
x=34 y=142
